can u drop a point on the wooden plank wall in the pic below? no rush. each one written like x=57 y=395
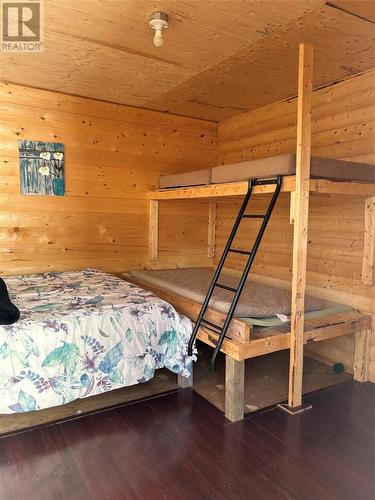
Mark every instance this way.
x=343 y=127
x=114 y=154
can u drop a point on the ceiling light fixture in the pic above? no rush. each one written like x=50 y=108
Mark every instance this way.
x=158 y=22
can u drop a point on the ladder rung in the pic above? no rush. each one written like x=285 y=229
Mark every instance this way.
x=212 y=325
x=265 y=182
x=253 y=216
x=243 y=252
x=225 y=287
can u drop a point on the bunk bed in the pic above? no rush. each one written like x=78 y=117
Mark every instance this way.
x=299 y=175
x=247 y=338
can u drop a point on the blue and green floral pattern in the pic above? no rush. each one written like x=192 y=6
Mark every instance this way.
x=84 y=333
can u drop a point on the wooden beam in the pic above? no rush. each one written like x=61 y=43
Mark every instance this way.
x=211 y=229
x=232 y=348
x=318 y=330
x=361 y=359
x=368 y=262
x=218 y=190
x=154 y=230
x=234 y=389
x=321 y=186
x=325 y=186
x=301 y=216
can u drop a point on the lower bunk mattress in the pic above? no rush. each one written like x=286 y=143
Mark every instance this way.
x=257 y=300
x=84 y=333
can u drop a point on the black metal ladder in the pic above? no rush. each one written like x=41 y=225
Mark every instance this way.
x=222 y=330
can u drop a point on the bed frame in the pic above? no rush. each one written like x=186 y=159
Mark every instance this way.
x=241 y=343
x=244 y=343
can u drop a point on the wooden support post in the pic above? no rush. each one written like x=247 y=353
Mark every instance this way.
x=301 y=216
x=361 y=355
x=368 y=262
x=185 y=382
x=154 y=230
x=234 y=388
x=211 y=229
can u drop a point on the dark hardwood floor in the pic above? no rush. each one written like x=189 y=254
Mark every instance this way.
x=178 y=446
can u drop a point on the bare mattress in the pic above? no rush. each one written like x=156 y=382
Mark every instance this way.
x=322 y=168
x=257 y=300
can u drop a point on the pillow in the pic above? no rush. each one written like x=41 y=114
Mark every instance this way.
x=9 y=313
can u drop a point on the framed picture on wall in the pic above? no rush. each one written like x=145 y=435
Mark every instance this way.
x=41 y=168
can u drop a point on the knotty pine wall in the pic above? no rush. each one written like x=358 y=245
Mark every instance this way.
x=113 y=155
x=343 y=127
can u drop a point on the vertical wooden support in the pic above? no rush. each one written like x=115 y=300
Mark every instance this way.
x=361 y=355
x=234 y=388
x=301 y=216
x=154 y=230
x=368 y=263
x=211 y=229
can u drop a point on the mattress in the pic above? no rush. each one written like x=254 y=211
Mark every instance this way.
x=322 y=168
x=195 y=178
x=84 y=333
x=257 y=300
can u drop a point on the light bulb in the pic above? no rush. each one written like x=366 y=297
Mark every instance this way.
x=158 y=38
x=158 y=22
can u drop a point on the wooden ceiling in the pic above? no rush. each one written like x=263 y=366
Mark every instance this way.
x=220 y=57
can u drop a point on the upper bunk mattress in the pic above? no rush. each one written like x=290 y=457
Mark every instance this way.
x=322 y=168
x=257 y=300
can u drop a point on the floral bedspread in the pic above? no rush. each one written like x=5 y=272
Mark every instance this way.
x=84 y=333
